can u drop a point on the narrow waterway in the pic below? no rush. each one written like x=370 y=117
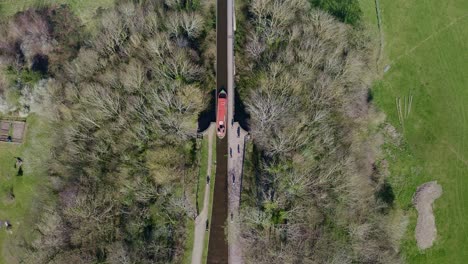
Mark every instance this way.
x=218 y=247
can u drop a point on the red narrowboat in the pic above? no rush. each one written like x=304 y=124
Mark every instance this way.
x=221 y=114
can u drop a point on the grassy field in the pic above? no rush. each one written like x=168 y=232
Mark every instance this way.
x=426 y=46
x=85 y=9
x=24 y=187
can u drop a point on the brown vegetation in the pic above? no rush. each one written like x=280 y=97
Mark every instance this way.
x=123 y=109
x=123 y=106
x=34 y=44
x=318 y=187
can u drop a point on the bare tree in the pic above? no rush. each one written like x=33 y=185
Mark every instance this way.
x=133 y=76
x=316 y=164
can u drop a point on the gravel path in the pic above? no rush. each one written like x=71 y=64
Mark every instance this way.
x=426 y=231
x=235 y=166
x=200 y=221
x=236 y=139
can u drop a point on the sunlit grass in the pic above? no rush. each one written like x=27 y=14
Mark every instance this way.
x=425 y=47
x=85 y=9
x=24 y=187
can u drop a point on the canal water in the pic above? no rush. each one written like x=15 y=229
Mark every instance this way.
x=218 y=247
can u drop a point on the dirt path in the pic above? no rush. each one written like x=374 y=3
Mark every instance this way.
x=200 y=221
x=235 y=164
x=426 y=230
x=379 y=25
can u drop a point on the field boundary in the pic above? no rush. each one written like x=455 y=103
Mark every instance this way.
x=381 y=36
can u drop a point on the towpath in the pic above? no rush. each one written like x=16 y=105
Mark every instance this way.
x=237 y=137
x=200 y=221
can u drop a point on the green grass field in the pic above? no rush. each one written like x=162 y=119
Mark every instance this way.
x=85 y=9
x=24 y=187
x=426 y=45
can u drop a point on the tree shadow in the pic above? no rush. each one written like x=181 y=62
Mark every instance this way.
x=240 y=114
x=40 y=63
x=209 y=114
x=20 y=171
x=386 y=194
x=370 y=95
